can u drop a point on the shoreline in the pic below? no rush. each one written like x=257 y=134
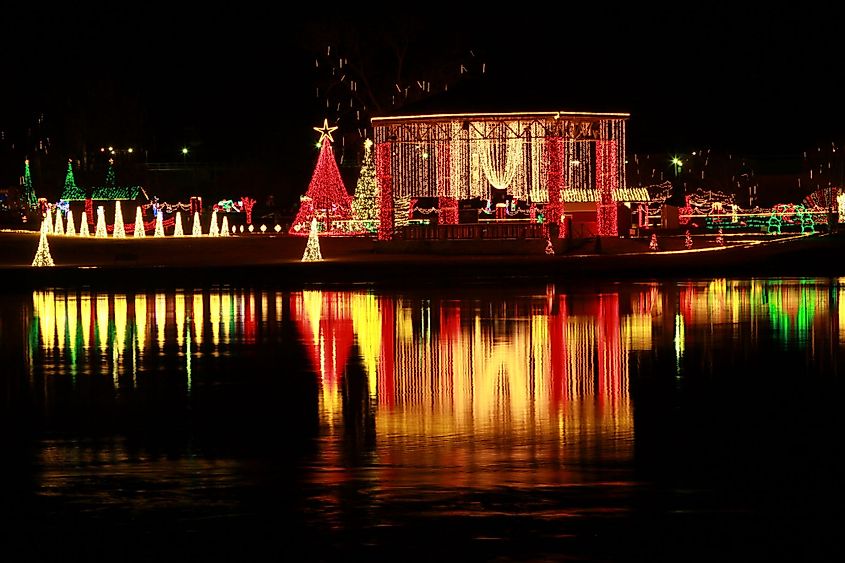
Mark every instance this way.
x=200 y=262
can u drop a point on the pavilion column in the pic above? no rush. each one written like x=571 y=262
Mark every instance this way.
x=446 y=202
x=554 y=160
x=607 y=183
x=385 y=186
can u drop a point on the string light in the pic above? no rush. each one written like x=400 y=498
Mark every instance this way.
x=118 y=231
x=213 y=230
x=139 y=223
x=365 y=204
x=248 y=203
x=111 y=179
x=101 y=231
x=83 y=225
x=312 y=249
x=197 y=228
x=59 y=228
x=159 y=231
x=384 y=177
x=71 y=191
x=530 y=157
x=42 y=254
x=177 y=230
x=28 y=191
x=326 y=198
x=71 y=228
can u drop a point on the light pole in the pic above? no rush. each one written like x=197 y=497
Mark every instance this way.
x=678 y=164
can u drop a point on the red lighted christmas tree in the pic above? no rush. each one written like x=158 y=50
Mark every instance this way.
x=326 y=198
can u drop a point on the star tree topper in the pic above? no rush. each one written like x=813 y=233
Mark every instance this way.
x=325 y=131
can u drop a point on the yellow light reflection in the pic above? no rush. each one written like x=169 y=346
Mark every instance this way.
x=842 y=313
x=85 y=315
x=198 y=317
x=102 y=310
x=160 y=318
x=367 y=325
x=120 y=313
x=61 y=320
x=214 y=317
x=141 y=320
x=180 y=318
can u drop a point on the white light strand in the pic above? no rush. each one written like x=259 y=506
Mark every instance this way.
x=139 y=223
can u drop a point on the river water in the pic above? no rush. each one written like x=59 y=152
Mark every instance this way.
x=672 y=420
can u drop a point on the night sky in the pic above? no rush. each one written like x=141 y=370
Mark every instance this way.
x=241 y=86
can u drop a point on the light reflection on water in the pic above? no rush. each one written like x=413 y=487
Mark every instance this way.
x=420 y=398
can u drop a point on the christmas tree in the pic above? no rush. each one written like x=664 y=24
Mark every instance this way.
x=49 y=219
x=224 y=227
x=365 y=205
x=196 y=231
x=59 y=229
x=111 y=180
x=101 y=223
x=119 y=231
x=28 y=191
x=42 y=255
x=326 y=196
x=213 y=229
x=652 y=245
x=71 y=191
x=312 y=249
x=71 y=228
x=159 y=232
x=177 y=230
x=83 y=226
x=139 y=223
x=687 y=240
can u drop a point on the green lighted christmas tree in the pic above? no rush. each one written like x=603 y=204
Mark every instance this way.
x=365 y=205
x=42 y=255
x=312 y=249
x=111 y=180
x=71 y=191
x=28 y=191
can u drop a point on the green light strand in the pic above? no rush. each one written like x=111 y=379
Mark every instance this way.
x=28 y=191
x=72 y=192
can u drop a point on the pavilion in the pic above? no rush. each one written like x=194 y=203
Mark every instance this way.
x=545 y=159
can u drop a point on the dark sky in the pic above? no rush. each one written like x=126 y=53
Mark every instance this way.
x=240 y=84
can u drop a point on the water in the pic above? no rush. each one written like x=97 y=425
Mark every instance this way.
x=676 y=420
